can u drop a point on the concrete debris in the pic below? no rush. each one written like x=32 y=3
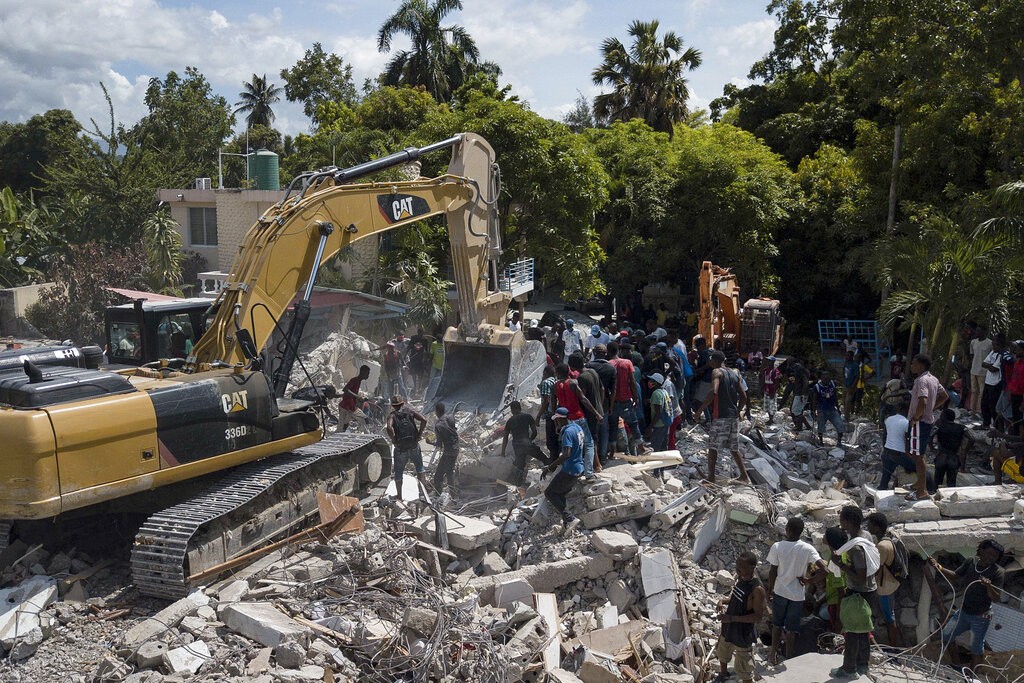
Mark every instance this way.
x=509 y=592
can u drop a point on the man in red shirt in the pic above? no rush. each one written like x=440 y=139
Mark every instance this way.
x=348 y=406
x=770 y=378
x=624 y=398
x=569 y=395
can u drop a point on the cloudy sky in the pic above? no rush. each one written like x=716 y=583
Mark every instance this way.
x=54 y=53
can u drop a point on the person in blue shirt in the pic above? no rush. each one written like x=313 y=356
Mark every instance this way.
x=851 y=372
x=571 y=462
x=824 y=400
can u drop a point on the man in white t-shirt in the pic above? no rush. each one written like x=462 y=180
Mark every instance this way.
x=981 y=346
x=894 y=453
x=596 y=336
x=790 y=560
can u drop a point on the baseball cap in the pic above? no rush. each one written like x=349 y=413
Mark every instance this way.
x=657 y=378
x=570 y=322
x=662 y=345
x=562 y=412
x=624 y=333
x=595 y=330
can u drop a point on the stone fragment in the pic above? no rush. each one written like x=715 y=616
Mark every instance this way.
x=168 y=617
x=563 y=676
x=262 y=622
x=494 y=564
x=622 y=512
x=310 y=673
x=725 y=578
x=27 y=644
x=20 y=607
x=421 y=621
x=464 y=533
x=620 y=595
x=598 y=667
x=614 y=544
x=233 y=592
x=546 y=577
x=76 y=593
x=512 y=590
x=151 y=654
x=259 y=663
x=290 y=655
x=187 y=658
x=791 y=481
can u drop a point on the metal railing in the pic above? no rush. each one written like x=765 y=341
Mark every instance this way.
x=517 y=278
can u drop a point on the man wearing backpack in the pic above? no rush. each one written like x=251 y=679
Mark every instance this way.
x=893 y=558
x=405 y=436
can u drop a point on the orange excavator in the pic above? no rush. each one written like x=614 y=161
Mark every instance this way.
x=727 y=326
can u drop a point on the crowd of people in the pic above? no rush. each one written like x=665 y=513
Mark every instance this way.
x=631 y=389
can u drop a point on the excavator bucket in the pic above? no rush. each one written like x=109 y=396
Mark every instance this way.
x=482 y=378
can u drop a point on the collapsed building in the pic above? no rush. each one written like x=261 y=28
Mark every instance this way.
x=483 y=584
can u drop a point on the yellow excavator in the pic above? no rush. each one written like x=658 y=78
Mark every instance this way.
x=207 y=445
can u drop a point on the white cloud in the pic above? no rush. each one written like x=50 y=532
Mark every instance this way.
x=752 y=38
x=514 y=33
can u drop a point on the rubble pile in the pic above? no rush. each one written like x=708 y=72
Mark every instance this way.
x=334 y=361
x=485 y=584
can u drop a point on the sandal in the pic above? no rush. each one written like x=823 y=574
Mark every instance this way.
x=913 y=497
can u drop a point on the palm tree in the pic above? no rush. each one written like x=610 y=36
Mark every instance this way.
x=256 y=99
x=163 y=252
x=647 y=80
x=440 y=55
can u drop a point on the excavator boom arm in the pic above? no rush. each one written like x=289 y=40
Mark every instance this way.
x=284 y=249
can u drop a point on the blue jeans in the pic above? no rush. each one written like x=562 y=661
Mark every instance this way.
x=977 y=624
x=835 y=418
x=588 y=446
x=627 y=412
x=659 y=438
x=602 y=439
x=890 y=461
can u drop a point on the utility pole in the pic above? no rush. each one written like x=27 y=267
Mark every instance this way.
x=890 y=219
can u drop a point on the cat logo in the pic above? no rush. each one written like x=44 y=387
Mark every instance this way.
x=401 y=207
x=235 y=402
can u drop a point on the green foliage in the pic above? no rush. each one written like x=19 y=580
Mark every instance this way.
x=441 y=57
x=73 y=309
x=26 y=148
x=163 y=252
x=25 y=242
x=419 y=283
x=186 y=125
x=256 y=99
x=648 y=79
x=319 y=78
x=552 y=186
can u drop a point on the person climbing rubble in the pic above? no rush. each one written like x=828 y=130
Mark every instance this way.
x=824 y=400
x=924 y=397
x=571 y=461
x=770 y=378
x=746 y=606
x=348 y=410
x=726 y=398
x=797 y=387
x=626 y=397
x=405 y=436
x=522 y=429
x=569 y=395
x=448 y=439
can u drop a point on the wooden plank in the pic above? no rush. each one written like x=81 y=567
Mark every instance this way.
x=546 y=605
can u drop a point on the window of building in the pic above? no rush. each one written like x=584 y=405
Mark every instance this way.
x=202 y=225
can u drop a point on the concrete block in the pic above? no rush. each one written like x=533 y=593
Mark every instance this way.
x=622 y=512
x=513 y=590
x=262 y=622
x=151 y=654
x=20 y=607
x=598 y=667
x=607 y=616
x=680 y=508
x=546 y=577
x=614 y=544
x=187 y=658
x=657 y=572
x=710 y=532
x=150 y=628
x=563 y=676
x=464 y=533
x=761 y=472
x=745 y=506
x=977 y=501
x=897 y=508
x=422 y=621
x=495 y=564
x=961 y=535
x=620 y=595
x=790 y=481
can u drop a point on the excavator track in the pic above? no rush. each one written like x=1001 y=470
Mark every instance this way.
x=160 y=556
x=5 y=533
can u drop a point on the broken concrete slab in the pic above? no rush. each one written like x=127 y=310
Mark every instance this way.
x=614 y=544
x=187 y=658
x=233 y=592
x=809 y=668
x=262 y=622
x=791 y=481
x=977 y=501
x=960 y=535
x=761 y=472
x=622 y=512
x=547 y=607
x=563 y=676
x=745 y=506
x=464 y=533
x=598 y=667
x=20 y=607
x=167 y=618
x=545 y=578
x=712 y=530
x=494 y=563
x=897 y=508
x=680 y=508
x=620 y=595
x=512 y=590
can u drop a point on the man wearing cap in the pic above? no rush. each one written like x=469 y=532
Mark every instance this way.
x=596 y=336
x=725 y=398
x=661 y=412
x=405 y=436
x=569 y=395
x=571 y=337
x=625 y=397
x=571 y=461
